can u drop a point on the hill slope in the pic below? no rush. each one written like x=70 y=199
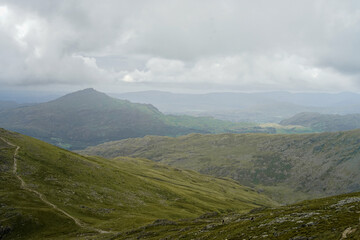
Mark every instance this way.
x=287 y=167
x=88 y=117
x=324 y=122
x=51 y=193
x=329 y=218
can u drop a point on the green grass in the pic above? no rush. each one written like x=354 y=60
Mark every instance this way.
x=287 y=167
x=324 y=122
x=114 y=195
x=288 y=129
x=325 y=219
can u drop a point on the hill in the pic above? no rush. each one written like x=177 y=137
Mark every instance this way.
x=327 y=219
x=89 y=117
x=261 y=107
x=324 y=122
x=86 y=118
x=286 y=167
x=51 y=193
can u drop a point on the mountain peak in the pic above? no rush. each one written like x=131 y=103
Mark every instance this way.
x=88 y=94
x=88 y=90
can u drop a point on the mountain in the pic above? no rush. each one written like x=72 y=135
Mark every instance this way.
x=259 y=107
x=51 y=193
x=324 y=122
x=89 y=117
x=85 y=118
x=329 y=218
x=287 y=168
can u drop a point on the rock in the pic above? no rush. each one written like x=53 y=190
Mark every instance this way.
x=346 y=232
x=210 y=226
x=209 y=215
x=300 y=238
x=346 y=201
x=4 y=231
x=162 y=222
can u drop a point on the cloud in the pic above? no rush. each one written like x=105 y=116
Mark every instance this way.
x=246 y=72
x=34 y=52
x=246 y=45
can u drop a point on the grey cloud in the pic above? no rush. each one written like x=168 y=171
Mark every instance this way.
x=233 y=43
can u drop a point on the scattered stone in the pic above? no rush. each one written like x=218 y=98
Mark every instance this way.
x=346 y=201
x=185 y=229
x=301 y=238
x=4 y=231
x=162 y=222
x=347 y=231
x=210 y=226
x=209 y=215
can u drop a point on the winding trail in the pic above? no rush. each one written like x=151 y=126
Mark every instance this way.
x=43 y=198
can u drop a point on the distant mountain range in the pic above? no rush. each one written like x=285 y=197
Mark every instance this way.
x=324 y=122
x=51 y=193
x=4 y=105
x=288 y=168
x=89 y=117
x=249 y=107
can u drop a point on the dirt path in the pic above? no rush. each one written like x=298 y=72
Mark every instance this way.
x=43 y=198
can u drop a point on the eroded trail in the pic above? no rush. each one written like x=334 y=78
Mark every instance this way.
x=43 y=198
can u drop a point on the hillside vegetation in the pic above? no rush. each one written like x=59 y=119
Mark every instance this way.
x=88 y=117
x=324 y=122
x=328 y=218
x=51 y=193
x=286 y=167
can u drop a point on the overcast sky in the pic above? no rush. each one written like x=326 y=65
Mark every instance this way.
x=181 y=46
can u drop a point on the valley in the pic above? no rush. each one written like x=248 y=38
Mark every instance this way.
x=171 y=176
x=179 y=120
x=58 y=194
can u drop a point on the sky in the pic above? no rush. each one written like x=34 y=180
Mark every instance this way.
x=180 y=46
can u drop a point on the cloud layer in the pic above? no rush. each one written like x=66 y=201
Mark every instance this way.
x=232 y=45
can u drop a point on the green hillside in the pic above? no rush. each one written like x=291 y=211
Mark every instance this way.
x=286 y=167
x=327 y=219
x=51 y=193
x=88 y=117
x=324 y=122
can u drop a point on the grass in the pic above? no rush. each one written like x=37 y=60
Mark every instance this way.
x=113 y=195
x=302 y=165
x=325 y=218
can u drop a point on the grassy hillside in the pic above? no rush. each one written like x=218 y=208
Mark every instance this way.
x=88 y=117
x=286 y=167
x=68 y=196
x=328 y=218
x=324 y=122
